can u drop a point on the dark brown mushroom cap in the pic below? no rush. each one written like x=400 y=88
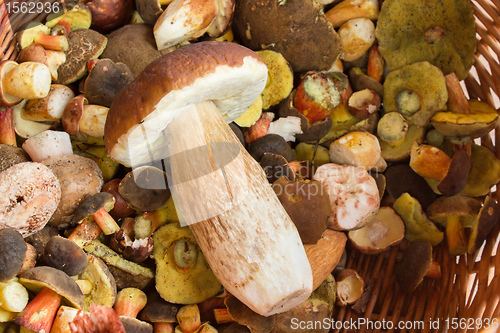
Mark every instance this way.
x=133 y=325
x=411 y=269
x=145 y=188
x=270 y=143
x=276 y=166
x=12 y=253
x=65 y=255
x=486 y=220
x=245 y=316
x=458 y=205
x=84 y=45
x=93 y=204
x=158 y=310
x=105 y=81
x=37 y=278
x=150 y=10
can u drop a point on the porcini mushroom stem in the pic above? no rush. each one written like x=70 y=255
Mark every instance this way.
x=222 y=316
x=457 y=101
x=85 y=232
x=222 y=193
x=39 y=314
x=129 y=302
x=7 y=132
x=163 y=327
x=106 y=222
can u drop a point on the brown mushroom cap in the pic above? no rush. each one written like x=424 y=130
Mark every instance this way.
x=228 y=74
x=144 y=189
x=93 y=204
x=245 y=316
x=65 y=255
x=486 y=221
x=12 y=253
x=84 y=45
x=37 y=278
x=411 y=269
x=133 y=325
x=158 y=310
x=105 y=81
x=458 y=205
x=150 y=10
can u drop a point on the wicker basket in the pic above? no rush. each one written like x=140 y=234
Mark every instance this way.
x=470 y=285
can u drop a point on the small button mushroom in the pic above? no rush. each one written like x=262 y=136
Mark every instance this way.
x=350 y=286
x=98 y=206
x=65 y=255
x=12 y=253
x=144 y=189
x=52 y=286
x=354 y=196
x=384 y=231
x=80 y=177
x=30 y=195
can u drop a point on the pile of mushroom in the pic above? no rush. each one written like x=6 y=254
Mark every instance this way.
x=205 y=166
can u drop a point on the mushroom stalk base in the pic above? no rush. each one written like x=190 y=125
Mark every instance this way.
x=222 y=193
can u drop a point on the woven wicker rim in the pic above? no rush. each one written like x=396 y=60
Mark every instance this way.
x=470 y=284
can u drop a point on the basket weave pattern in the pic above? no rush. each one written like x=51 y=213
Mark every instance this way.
x=470 y=284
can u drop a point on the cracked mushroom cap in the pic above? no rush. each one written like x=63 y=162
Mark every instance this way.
x=441 y=32
x=30 y=195
x=228 y=74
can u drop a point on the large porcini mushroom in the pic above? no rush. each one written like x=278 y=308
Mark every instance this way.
x=187 y=91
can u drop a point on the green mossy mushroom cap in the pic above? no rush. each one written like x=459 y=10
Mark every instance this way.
x=440 y=32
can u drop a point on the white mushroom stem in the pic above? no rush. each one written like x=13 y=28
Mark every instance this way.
x=221 y=192
x=48 y=144
x=28 y=80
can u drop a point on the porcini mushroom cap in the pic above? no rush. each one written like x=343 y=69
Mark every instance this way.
x=12 y=253
x=457 y=205
x=411 y=269
x=40 y=277
x=228 y=74
x=93 y=204
x=84 y=45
